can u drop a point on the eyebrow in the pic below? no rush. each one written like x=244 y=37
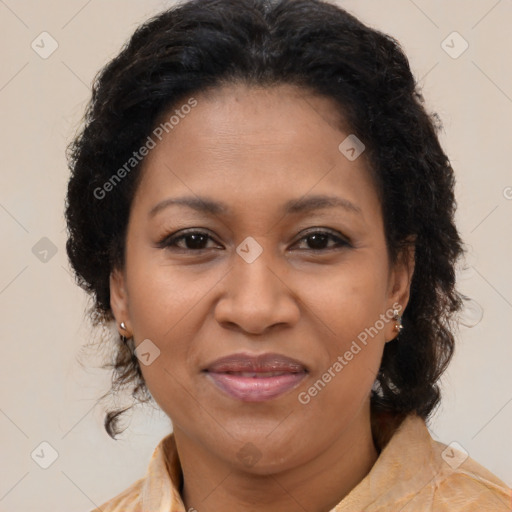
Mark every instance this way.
x=293 y=206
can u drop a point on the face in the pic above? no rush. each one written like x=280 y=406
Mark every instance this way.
x=258 y=264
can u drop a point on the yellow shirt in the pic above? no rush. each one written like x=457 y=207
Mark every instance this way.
x=413 y=473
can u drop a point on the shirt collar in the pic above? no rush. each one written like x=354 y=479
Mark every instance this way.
x=398 y=476
x=391 y=477
x=164 y=479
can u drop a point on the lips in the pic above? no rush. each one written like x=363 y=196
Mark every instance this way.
x=256 y=378
x=260 y=363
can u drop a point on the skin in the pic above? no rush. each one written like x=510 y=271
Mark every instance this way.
x=305 y=304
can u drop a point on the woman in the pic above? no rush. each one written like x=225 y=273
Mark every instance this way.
x=260 y=202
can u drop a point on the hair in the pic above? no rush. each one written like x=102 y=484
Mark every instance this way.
x=203 y=44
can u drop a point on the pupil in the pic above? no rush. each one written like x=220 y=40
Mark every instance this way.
x=196 y=241
x=318 y=241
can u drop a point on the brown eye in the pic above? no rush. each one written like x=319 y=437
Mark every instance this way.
x=188 y=241
x=319 y=240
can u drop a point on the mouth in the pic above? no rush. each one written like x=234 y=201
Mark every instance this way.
x=255 y=378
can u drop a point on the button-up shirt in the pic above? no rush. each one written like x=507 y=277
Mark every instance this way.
x=413 y=473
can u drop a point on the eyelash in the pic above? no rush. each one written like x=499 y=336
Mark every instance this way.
x=170 y=241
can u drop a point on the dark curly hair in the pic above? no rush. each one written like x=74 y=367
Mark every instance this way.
x=203 y=44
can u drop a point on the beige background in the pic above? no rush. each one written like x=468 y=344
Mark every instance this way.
x=47 y=396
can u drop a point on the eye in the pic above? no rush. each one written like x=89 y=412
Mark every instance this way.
x=194 y=240
x=190 y=241
x=318 y=240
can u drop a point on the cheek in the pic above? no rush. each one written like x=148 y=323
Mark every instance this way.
x=161 y=296
x=343 y=385
x=352 y=307
x=168 y=305
x=349 y=298
x=162 y=311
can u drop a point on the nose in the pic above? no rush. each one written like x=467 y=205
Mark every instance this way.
x=257 y=296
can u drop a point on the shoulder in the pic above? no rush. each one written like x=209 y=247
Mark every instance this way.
x=415 y=473
x=462 y=484
x=157 y=490
x=128 y=500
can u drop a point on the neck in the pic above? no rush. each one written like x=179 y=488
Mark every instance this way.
x=212 y=484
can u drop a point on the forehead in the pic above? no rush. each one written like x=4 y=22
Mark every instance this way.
x=271 y=144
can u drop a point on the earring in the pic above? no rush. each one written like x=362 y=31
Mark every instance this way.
x=398 y=318
x=124 y=339
x=398 y=325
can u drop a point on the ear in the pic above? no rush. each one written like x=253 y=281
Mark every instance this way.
x=119 y=301
x=400 y=281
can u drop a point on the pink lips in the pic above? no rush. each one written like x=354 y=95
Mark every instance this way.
x=256 y=378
